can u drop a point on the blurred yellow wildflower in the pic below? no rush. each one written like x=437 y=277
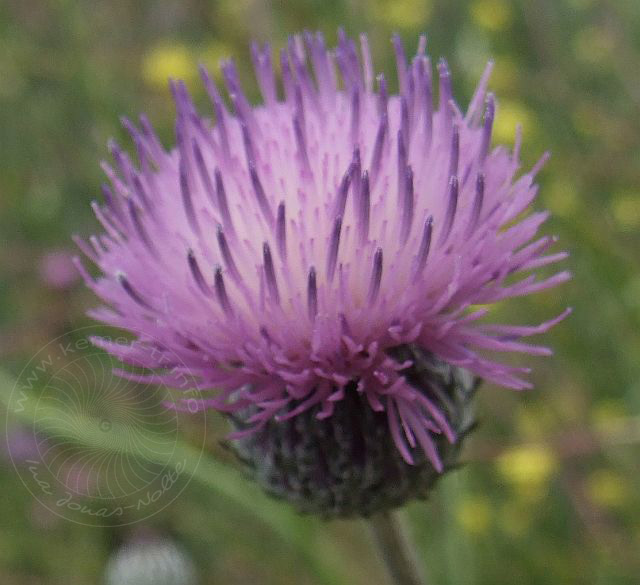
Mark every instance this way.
x=168 y=60
x=509 y=115
x=528 y=469
x=608 y=489
x=474 y=514
x=403 y=13
x=625 y=208
x=492 y=15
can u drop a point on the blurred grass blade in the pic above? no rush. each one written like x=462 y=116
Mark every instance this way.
x=319 y=552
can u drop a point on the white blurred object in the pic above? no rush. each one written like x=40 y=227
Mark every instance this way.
x=152 y=562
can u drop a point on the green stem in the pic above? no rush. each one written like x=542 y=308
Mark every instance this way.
x=396 y=550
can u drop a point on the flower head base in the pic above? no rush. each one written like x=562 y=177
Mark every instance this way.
x=298 y=256
x=347 y=464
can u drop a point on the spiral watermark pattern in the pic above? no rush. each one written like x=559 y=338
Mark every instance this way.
x=104 y=449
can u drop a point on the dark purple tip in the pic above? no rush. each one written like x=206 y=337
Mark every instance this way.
x=249 y=150
x=150 y=135
x=181 y=97
x=281 y=231
x=138 y=226
x=270 y=273
x=187 y=201
x=343 y=191
x=107 y=195
x=126 y=285
x=407 y=205
x=376 y=276
x=312 y=293
x=428 y=111
x=301 y=142
x=221 y=291
x=355 y=115
x=402 y=157
x=402 y=165
x=116 y=154
x=226 y=254
x=455 y=151
x=112 y=203
x=376 y=156
x=404 y=122
x=260 y=195
x=476 y=209
x=425 y=245
x=203 y=172
x=197 y=273
x=147 y=162
x=356 y=175
x=489 y=114
x=364 y=209
x=334 y=244
x=452 y=205
x=299 y=106
x=223 y=206
x=141 y=193
x=412 y=79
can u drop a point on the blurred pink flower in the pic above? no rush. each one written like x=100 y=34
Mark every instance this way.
x=57 y=270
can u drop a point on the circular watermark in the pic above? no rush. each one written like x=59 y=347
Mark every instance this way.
x=100 y=448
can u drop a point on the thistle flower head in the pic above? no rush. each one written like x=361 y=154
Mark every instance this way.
x=327 y=255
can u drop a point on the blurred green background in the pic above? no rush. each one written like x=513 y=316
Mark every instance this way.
x=550 y=490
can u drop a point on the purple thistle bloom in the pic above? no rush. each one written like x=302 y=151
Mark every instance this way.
x=334 y=246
